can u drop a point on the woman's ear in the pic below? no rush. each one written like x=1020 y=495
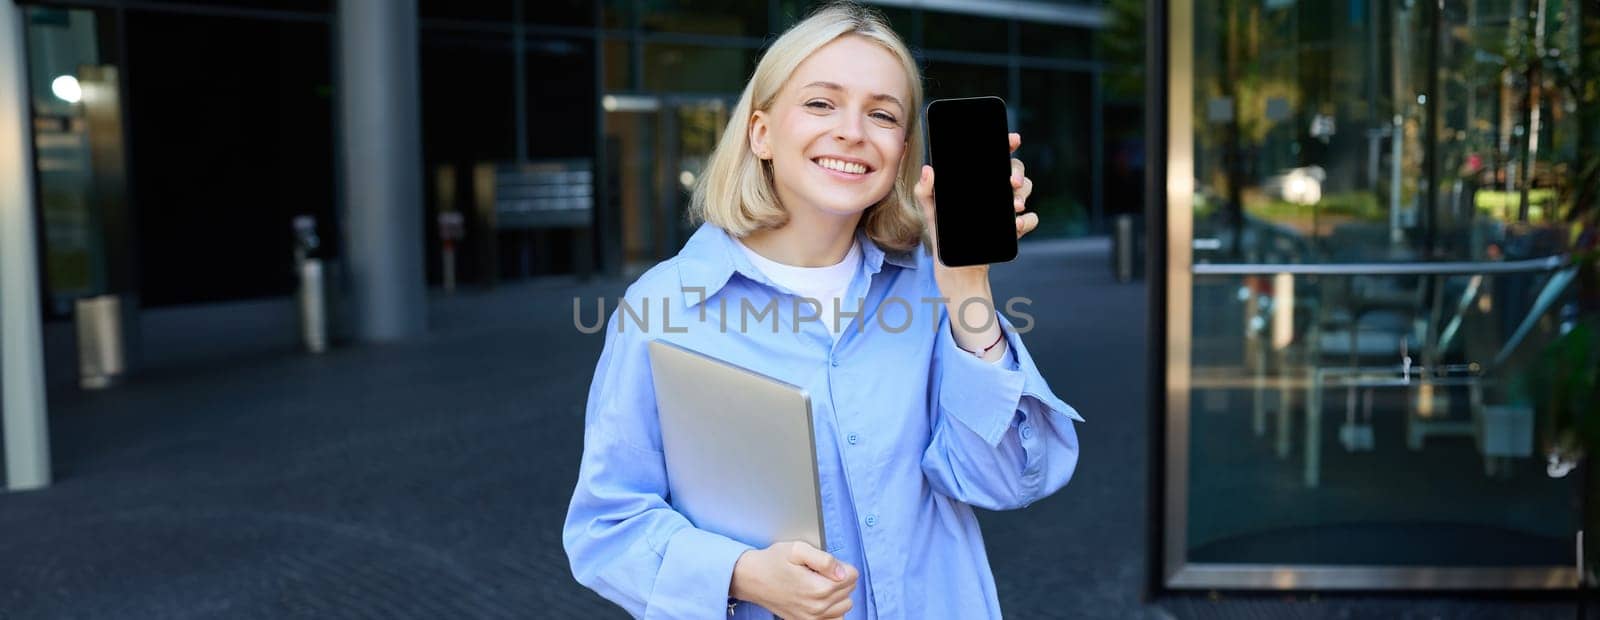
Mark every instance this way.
x=758 y=135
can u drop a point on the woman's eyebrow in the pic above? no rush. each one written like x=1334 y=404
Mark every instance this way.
x=875 y=96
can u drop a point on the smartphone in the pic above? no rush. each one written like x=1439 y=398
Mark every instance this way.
x=970 y=151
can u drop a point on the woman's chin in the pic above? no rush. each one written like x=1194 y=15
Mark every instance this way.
x=842 y=209
x=844 y=205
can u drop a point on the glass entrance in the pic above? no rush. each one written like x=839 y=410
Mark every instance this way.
x=78 y=146
x=656 y=149
x=1360 y=287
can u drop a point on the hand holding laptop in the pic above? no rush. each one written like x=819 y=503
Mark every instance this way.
x=794 y=580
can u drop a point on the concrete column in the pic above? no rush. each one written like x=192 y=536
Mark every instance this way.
x=381 y=158
x=22 y=399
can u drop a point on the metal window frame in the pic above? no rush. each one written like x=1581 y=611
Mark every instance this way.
x=1169 y=204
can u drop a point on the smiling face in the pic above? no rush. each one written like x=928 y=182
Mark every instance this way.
x=836 y=131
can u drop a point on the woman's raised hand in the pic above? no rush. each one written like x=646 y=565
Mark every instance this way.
x=952 y=280
x=795 y=581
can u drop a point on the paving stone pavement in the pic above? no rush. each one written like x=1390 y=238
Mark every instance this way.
x=430 y=479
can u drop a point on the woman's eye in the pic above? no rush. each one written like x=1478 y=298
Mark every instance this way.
x=819 y=105
x=886 y=117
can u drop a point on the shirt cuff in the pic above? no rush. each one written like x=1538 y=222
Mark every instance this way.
x=1007 y=361
x=695 y=576
x=1033 y=383
x=982 y=396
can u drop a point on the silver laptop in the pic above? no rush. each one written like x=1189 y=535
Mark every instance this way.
x=741 y=458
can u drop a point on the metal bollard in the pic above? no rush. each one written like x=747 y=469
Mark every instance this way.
x=1122 y=248
x=100 y=354
x=313 y=310
x=452 y=227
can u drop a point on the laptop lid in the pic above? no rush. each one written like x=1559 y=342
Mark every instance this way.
x=740 y=453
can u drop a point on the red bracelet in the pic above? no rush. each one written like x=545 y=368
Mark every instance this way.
x=985 y=351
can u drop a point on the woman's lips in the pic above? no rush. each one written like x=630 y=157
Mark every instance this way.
x=840 y=174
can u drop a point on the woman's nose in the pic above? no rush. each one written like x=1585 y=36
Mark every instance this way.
x=849 y=129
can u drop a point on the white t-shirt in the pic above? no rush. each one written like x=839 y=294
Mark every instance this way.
x=824 y=284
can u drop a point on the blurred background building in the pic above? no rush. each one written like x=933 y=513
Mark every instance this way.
x=1370 y=333
x=625 y=98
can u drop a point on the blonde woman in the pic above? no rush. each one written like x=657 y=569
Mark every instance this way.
x=817 y=199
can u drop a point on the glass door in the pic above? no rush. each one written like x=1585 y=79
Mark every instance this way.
x=694 y=127
x=79 y=156
x=1364 y=265
x=632 y=150
x=657 y=147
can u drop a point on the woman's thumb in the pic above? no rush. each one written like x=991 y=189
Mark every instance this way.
x=819 y=561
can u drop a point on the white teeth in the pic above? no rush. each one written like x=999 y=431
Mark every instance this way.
x=841 y=166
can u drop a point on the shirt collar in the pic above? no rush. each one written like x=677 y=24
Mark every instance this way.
x=709 y=259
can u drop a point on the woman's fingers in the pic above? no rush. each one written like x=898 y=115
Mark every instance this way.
x=924 y=194
x=848 y=583
x=1016 y=140
x=827 y=599
x=1024 y=192
x=838 y=599
x=1026 y=223
x=819 y=561
x=839 y=609
x=924 y=188
x=1022 y=189
x=1021 y=185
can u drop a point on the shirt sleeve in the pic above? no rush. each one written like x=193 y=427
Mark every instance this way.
x=1000 y=438
x=623 y=540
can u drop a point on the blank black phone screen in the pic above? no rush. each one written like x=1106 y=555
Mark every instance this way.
x=970 y=152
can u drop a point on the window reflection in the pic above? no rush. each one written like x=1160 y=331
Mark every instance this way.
x=696 y=69
x=1053 y=118
x=718 y=17
x=1379 y=415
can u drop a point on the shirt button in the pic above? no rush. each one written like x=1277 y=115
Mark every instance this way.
x=872 y=520
x=834 y=361
x=852 y=438
x=1027 y=432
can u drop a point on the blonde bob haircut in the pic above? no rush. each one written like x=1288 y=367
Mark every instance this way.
x=736 y=191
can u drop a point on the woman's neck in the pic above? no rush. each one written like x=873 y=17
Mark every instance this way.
x=807 y=240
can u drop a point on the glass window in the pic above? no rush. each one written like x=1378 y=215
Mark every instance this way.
x=238 y=140
x=696 y=69
x=966 y=33
x=559 y=12
x=1367 y=417
x=719 y=17
x=948 y=80
x=468 y=97
x=619 y=64
x=561 y=98
x=1053 y=119
x=536 y=12
x=77 y=197
x=1056 y=41
x=468 y=118
x=791 y=11
x=617 y=14
x=317 y=6
x=901 y=20
x=500 y=11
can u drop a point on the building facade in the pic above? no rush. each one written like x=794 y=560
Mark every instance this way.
x=563 y=135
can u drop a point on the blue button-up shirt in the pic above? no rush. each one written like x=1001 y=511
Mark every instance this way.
x=911 y=433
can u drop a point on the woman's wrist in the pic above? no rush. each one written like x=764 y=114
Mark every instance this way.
x=736 y=585
x=742 y=585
